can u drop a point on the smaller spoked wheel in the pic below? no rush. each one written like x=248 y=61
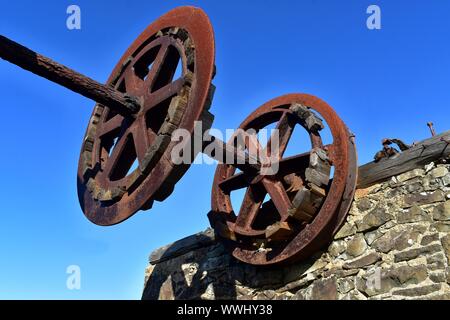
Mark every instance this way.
x=293 y=209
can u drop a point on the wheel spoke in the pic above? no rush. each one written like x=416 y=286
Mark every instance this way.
x=141 y=138
x=285 y=129
x=156 y=66
x=235 y=182
x=114 y=123
x=116 y=154
x=153 y=99
x=251 y=203
x=279 y=197
x=293 y=164
x=133 y=83
x=286 y=166
x=252 y=144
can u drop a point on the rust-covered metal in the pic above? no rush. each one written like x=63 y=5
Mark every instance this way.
x=389 y=151
x=306 y=204
x=163 y=83
x=110 y=187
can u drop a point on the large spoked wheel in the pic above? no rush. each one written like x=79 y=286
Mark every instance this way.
x=125 y=162
x=309 y=196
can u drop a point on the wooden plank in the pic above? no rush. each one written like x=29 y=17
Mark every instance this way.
x=421 y=154
x=305 y=205
x=316 y=177
x=279 y=231
x=66 y=77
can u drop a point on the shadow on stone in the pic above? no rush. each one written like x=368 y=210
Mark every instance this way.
x=195 y=267
x=199 y=267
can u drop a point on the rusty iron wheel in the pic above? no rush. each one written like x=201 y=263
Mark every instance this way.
x=307 y=201
x=125 y=162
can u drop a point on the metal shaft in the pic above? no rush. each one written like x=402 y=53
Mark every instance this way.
x=241 y=160
x=62 y=75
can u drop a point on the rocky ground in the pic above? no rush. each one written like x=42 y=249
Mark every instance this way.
x=395 y=244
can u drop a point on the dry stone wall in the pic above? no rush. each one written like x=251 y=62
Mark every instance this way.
x=395 y=244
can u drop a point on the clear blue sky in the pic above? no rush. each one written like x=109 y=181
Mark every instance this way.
x=385 y=83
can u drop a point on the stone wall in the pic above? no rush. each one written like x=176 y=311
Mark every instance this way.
x=395 y=244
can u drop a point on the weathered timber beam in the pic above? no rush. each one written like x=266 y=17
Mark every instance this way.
x=66 y=77
x=424 y=152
